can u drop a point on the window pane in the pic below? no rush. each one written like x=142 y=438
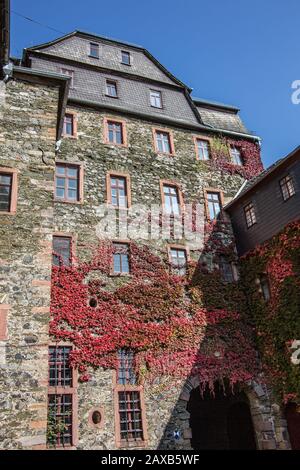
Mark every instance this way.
x=5 y=192
x=61 y=251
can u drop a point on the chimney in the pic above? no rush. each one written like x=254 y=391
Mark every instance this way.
x=5 y=33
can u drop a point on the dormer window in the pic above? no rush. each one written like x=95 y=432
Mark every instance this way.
x=111 y=89
x=125 y=57
x=155 y=99
x=236 y=156
x=94 y=50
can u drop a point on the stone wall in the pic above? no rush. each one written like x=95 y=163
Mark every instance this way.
x=28 y=118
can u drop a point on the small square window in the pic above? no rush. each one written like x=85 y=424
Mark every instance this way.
x=250 y=215
x=155 y=99
x=125 y=57
x=121 y=258
x=111 y=89
x=236 y=156
x=287 y=187
x=94 y=50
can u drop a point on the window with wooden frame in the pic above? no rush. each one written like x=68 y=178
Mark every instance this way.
x=94 y=50
x=115 y=132
x=130 y=420
x=155 y=99
x=118 y=190
x=61 y=250
x=171 y=199
x=163 y=141
x=202 y=148
x=125 y=58
x=236 y=156
x=121 y=264
x=68 y=182
x=70 y=125
x=62 y=382
x=213 y=202
x=250 y=215
x=287 y=187
x=69 y=73
x=8 y=191
x=111 y=89
x=178 y=260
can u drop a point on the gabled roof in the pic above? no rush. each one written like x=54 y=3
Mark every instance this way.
x=93 y=36
x=268 y=172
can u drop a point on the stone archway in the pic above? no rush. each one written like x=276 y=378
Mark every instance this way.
x=265 y=417
x=220 y=421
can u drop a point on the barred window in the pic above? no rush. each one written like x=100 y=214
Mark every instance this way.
x=250 y=214
x=126 y=372
x=60 y=372
x=61 y=389
x=130 y=413
x=60 y=417
x=5 y=191
x=287 y=187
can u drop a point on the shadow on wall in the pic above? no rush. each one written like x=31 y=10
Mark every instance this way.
x=228 y=418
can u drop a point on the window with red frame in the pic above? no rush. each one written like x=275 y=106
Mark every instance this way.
x=68 y=129
x=129 y=399
x=115 y=132
x=67 y=182
x=171 y=199
x=178 y=260
x=6 y=181
x=203 y=149
x=163 y=142
x=118 y=189
x=60 y=398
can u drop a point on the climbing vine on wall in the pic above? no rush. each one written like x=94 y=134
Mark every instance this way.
x=278 y=320
x=250 y=153
x=176 y=325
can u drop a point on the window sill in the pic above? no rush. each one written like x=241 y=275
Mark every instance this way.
x=116 y=145
x=67 y=136
x=165 y=154
x=156 y=107
x=110 y=96
x=77 y=203
x=94 y=57
x=8 y=213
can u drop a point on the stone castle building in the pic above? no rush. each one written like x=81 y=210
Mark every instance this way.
x=90 y=122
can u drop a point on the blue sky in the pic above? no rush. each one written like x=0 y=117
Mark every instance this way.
x=240 y=52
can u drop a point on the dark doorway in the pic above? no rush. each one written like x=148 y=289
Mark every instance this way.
x=222 y=421
x=293 y=424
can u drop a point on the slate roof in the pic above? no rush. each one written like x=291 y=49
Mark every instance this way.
x=251 y=184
